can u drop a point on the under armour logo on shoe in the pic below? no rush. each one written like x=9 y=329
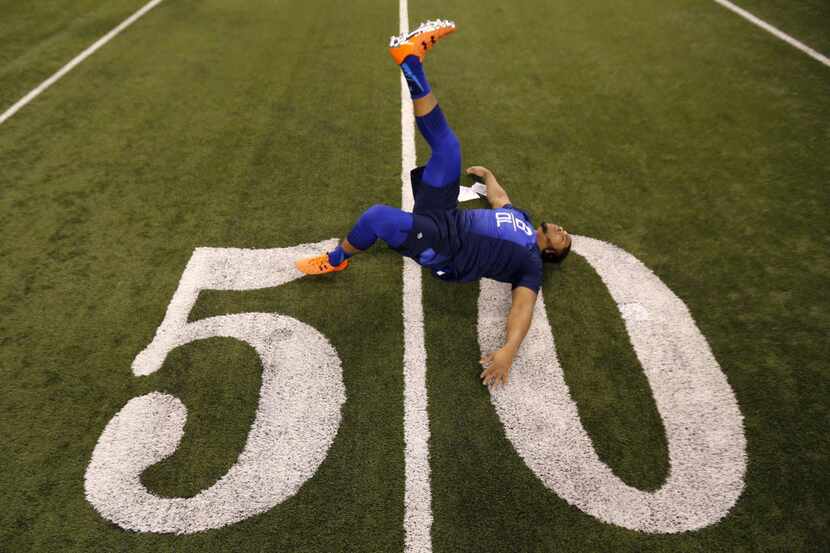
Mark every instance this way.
x=420 y=235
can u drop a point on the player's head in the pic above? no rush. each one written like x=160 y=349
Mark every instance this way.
x=554 y=242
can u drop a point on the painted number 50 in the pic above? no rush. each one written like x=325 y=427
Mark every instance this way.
x=302 y=390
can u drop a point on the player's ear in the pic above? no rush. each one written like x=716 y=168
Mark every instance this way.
x=549 y=255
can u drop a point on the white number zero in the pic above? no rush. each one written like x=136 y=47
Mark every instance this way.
x=704 y=428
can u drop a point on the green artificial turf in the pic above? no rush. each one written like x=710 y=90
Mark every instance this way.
x=805 y=21
x=38 y=38
x=674 y=130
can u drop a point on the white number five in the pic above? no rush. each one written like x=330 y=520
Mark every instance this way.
x=703 y=425
x=296 y=420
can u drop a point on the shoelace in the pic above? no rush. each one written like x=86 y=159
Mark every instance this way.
x=425 y=27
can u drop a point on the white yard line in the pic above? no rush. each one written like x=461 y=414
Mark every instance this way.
x=772 y=30
x=76 y=60
x=417 y=495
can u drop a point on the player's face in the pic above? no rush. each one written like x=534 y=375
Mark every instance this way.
x=552 y=237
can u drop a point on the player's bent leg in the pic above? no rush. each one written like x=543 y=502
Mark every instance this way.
x=384 y=222
x=388 y=223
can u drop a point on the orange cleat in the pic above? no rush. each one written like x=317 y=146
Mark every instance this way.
x=417 y=42
x=319 y=265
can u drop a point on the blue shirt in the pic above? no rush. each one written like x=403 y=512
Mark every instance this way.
x=468 y=244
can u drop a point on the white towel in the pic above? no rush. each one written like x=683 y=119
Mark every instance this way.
x=467 y=193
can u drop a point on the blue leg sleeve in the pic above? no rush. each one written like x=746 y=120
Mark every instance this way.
x=390 y=224
x=444 y=165
x=413 y=72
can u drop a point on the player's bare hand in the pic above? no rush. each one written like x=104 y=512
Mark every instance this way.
x=479 y=171
x=496 y=367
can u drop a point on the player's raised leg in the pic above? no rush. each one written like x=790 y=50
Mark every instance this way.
x=408 y=51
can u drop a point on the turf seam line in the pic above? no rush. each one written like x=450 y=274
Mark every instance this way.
x=772 y=30
x=77 y=60
x=417 y=493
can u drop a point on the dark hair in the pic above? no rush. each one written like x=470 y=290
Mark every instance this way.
x=550 y=256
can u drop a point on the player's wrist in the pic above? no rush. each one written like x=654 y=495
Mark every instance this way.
x=510 y=349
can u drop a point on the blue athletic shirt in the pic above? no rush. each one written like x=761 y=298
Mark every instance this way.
x=468 y=244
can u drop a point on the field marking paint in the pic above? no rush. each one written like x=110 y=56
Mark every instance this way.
x=417 y=494
x=296 y=421
x=77 y=60
x=772 y=30
x=703 y=424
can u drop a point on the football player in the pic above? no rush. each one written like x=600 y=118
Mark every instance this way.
x=457 y=245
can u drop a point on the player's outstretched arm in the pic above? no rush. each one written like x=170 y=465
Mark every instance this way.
x=497 y=364
x=495 y=193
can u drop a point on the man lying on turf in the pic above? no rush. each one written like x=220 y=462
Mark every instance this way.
x=457 y=245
